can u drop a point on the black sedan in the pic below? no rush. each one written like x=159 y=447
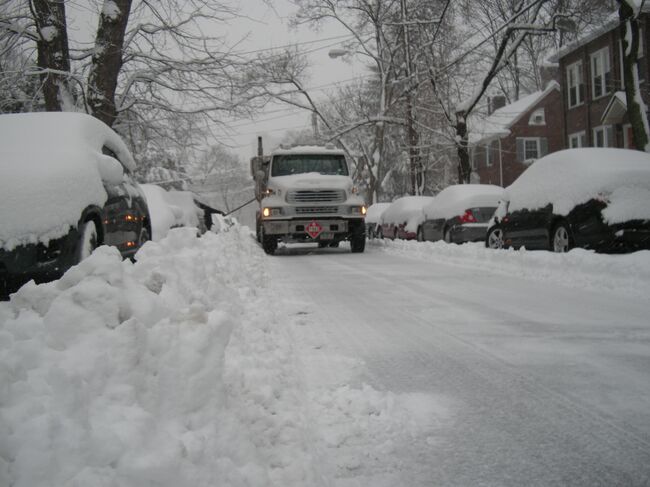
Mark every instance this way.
x=590 y=198
x=64 y=196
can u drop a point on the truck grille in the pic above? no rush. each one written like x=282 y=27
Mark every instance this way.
x=316 y=196
x=308 y=210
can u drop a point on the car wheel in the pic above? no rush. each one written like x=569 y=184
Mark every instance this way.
x=494 y=238
x=561 y=240
x=334 y=245
x=380 y=233
x=447 y=235
x=420 y=234
x=87 y=240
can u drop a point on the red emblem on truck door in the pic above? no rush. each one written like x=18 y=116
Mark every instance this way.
x=314 y=229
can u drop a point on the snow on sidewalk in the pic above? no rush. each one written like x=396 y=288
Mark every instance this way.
x=180 y=369
x=627 y=274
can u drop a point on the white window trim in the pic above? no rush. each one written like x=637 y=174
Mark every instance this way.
x=536 y=113
x=488 y=154
x=581 y=137
x=538 y=143
x=577 y=69
x=602 y=55
x=601 y=128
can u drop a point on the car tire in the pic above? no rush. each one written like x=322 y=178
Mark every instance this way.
x=446 y=235
x=561 y=240
x=420 y=234
x=88 y=240
x=380 y=233
x=494 y=238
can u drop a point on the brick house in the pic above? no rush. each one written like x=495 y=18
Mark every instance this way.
x=513 y=136
x=593 y=96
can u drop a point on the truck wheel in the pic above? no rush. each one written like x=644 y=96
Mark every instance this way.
x=269 y=244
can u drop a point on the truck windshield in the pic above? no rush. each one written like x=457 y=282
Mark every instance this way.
x=287 y=164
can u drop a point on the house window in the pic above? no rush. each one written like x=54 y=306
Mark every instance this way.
x=531 y=148
x=601 y=73
x=537 y=117
x=488 y=154
x=577 y=140
x=603 y=136
x=576 y=84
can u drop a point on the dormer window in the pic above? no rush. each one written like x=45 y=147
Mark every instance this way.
x=538 y=117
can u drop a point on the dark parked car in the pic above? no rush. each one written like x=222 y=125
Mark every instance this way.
x=460 y=213
x=591 y=198
x=65 y=188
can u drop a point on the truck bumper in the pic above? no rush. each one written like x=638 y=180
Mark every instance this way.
x=296 y=230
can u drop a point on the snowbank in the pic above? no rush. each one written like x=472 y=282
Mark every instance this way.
x=570 y=177
x=454 y=200
x=50 y=172
x=176 y=370
x=625 y=275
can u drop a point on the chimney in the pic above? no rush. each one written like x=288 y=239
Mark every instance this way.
x=548 y=73
x=496 y=102
x=260 y=151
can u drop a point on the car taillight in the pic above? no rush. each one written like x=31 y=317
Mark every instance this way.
x=467 y=217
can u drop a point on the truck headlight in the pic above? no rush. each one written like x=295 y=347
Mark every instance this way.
x=266 y=212
x=359 y=210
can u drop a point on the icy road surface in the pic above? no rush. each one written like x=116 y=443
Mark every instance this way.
x=521 y=370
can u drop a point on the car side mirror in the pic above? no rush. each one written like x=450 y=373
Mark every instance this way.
x=110 y=170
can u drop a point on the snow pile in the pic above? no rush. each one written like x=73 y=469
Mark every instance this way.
x=570 y=177
x=117 y=373
x=454 y=200
x=50 y=171
x=177 y=370
x=373 y=215
x=625 y=275
x=406 y=210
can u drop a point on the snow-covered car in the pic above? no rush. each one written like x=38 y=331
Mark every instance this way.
x=460 y=213
x=591 y=198
x=65 y=188
x=373 y=219
x=172 y=209
x=403 y=217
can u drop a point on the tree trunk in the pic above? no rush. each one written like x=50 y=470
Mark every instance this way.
x=107 y=60
x=636 y=109
x=53 y=54
x=462 y=148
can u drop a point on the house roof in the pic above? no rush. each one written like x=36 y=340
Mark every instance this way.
x=611 y=23
x=498 y=124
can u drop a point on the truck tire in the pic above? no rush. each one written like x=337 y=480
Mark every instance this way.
x=358 y=239
x=269 y=244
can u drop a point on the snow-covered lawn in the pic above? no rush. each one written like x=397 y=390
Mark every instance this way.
x=176 y=370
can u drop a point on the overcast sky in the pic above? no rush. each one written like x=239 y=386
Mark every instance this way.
x=268 y=27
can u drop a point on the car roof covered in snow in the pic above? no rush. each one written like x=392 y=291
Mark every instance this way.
x=50 y=172
x=373 y=215
x=571 y=177
x=405 y=208
x=308 y=149
x=454 y=200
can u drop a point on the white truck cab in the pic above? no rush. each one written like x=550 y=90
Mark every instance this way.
x=306 y=194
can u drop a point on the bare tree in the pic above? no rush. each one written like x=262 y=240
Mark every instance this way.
x=628 y=13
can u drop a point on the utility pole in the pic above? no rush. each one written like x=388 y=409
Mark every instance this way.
x=414 y=159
